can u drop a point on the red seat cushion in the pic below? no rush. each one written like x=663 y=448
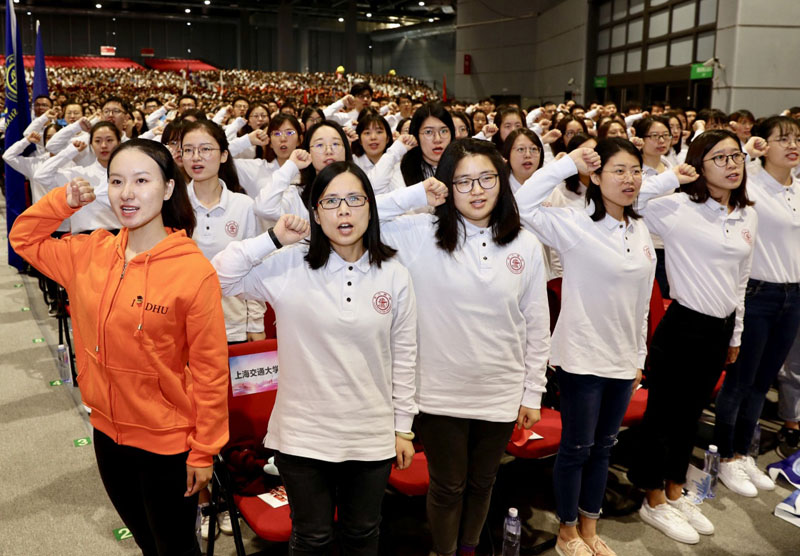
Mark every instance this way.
x=635 y=412
x=414 y=480
x=549 y=427
x=719 y=385
x=272 y=524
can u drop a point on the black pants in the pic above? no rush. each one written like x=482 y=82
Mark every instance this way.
x=318 y=489
x=463 y=458
x=687 y=356
x=147 y=491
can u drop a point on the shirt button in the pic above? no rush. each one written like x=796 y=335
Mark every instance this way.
x=629 y=250
x=207 y=228
x=483 y=244
x=349 y=268
x=208 y=215
x=484 y=258
x=349 y=283
x=481 y=232
x=348 y=300
x=620 y=226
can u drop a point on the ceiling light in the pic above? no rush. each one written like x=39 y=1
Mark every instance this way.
x=188 y=23
x=188 y=10
x=369 y=14
x=27 y=13
x=207 y=2
x=422 y=3
x=98 y=6
x=341 y=20
x=430 y=20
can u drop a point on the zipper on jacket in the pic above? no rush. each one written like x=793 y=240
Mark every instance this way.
x=124 y=266
x=105 y=359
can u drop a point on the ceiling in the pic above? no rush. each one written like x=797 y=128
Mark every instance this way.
x=405 y=12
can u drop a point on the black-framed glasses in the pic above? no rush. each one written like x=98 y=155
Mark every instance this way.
x=659 y=136
x=465 y=185
x=721 y=160
x=352 y=201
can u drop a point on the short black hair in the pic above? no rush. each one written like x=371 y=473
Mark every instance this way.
x=700 y=147
x=116 y=99
x=607 y=148
x=359 y=87
x=227 y=169
x=573 y=182
x=504 y=219
x=508 y=144
x=464 y=118
x=411 y=165
x=190 y=97
x=364 y=123
x=309 y=173
x=151 y=99
x=319 y=248
x=784 y=124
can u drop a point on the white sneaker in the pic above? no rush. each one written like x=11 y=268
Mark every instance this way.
x=760 y=479
x=669 y=521
x=205 y=520
x=693 y=515
x=225 y=523
x=734 y=476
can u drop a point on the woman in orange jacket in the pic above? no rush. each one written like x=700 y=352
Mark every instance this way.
x=149 y=339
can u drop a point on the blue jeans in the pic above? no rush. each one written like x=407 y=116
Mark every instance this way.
x=317 y=489
x=771 y=321
x=592 y=409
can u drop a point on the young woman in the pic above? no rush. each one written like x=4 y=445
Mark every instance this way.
x=523 y=151
x=462 y=125
x=479 y=120
x=708 y=231
x=375 y=142
x=324 y=144
x=432 y=127
x=171 y=138
x=676 y=154
x=656 y=139
x=609 y=268
x=139 y=124
x=507 y=119
x=311 y=116
x=257 y=118
x=742 y=122
x=104 y=138
x=476 y=272
x=149 y=339
x=611 y=128
x=347 y=330
x=771 y=307
x=569 y=127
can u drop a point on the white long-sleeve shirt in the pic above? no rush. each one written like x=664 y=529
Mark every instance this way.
x=484 y=327
x=60 y=169
x=347 y=337
x=27 y=166
x=777 y=251
x=709 y=251
x=609 y=268
x=65 y=136
x=332 y=112
x=232 y=219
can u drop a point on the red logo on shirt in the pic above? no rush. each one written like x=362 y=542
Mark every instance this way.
x=648 y=253
x=747 y=236
x=382 y=302
x=515 y=263
x=231 y=228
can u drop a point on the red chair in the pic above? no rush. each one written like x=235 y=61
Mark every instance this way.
x=549 y=427
x=248 y=419
x=269 y=323
x=414 y=480
x=554 y=301
x=636 y=408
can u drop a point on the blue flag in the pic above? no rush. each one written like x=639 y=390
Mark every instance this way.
x=18 y=117
x=39 y=69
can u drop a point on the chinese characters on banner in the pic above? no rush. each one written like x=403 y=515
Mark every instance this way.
x=253 y=373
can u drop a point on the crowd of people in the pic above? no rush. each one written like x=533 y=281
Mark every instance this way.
x=405 y=246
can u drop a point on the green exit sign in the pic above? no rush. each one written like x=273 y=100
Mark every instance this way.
x=600 y=82
x=699 y=71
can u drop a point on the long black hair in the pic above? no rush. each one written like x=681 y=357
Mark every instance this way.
x=502 y=113
x=227 y=169
x=319 y=249
x=176 y=212
x=413 y=166
x=573 y=182
x=700 y=147
x=309 y=173
x=274 y=125
x=504 y=219
x=607 y=148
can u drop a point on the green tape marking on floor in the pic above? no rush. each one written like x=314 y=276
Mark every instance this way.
x=38 y=340
x=56 y=383
x=17 y=285
x=122 y=533
x=25 y=309
x=85 y=441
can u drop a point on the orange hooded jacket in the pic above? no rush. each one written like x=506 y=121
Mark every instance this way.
x=137 y=325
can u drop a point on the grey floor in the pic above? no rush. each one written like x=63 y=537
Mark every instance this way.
x=53 y=503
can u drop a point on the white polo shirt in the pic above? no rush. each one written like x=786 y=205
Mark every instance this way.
x=232 y=219
x=59 y=169
x=254 y=173
x=609 y=267
x=347 y=337
x=777 y=252
x=708 y=251
x=484 y=327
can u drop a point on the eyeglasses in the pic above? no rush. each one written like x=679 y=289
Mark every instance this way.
x=286 y=133
x=312 y=121
x=522 y=150
x=429 y=132
x=352 y=201
x=659 y=136
x=334 y=146
x=204 y=151
x=785 y=141
x=259 y=116
x=465 y=185
x=620 y=173
x=111 y=111
x=721 y=160
x=174 y=146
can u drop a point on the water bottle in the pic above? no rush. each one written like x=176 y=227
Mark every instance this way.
x=712 y=468
x=755 y=443
x=64 y=370
x=512 y=531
